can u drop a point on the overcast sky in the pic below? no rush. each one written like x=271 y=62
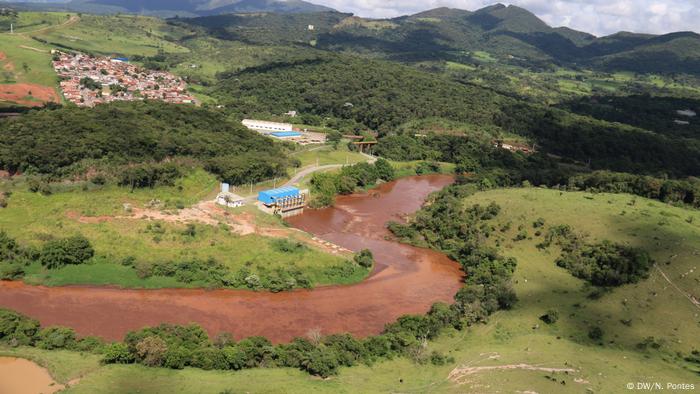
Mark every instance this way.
x=599 y=17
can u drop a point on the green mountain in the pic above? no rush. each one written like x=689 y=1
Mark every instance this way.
x=169 y=8
x=510 y=34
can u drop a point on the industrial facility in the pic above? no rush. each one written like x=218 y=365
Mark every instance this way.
x=285 y=132
x=284 y=201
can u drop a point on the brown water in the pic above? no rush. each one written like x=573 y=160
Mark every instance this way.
x=406 y=280
x=20 y=376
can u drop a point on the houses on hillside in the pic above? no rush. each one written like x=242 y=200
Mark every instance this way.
x=87 y=81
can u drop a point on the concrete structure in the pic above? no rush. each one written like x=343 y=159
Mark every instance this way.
x=263 y=126
x=228 y=199
x=284 y=201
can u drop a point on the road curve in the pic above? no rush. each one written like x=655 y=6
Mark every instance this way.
x=405 y=280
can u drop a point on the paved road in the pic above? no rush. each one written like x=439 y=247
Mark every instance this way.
x=306 y=171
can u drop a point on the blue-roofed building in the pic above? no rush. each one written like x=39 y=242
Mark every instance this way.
x=284 y=201
x=285 y=134
x=271 y=197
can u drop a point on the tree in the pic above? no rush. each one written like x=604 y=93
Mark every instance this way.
x=384 y=170
x=151 y=351
x=66 y=251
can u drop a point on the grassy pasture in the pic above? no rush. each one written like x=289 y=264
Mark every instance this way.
x=26 y=22
x=325 y=155
x=99 y=215
x=652 y=308
x=115 y=34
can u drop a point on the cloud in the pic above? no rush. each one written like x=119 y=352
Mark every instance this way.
x=599 y=17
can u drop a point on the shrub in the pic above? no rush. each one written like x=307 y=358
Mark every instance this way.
x=284 y=245
x=61 y=252
x=437 y=358
x=364 y=258
x=322 y=362
x=427 y=168
x=348 y=350
x=17 y=329
x=11 y=271
x=177 y=358
x=56 y=338
x=235 y=357
x=89 y=344
x=209 y=358
x=117 y=353
x=550 y=317
x=595 y=333
x=257 y=351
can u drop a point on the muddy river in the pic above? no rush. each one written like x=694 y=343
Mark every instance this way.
x=405 y=280
x=20 y=376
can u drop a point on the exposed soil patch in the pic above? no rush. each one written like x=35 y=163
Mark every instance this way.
x=406 y=280
x=20 y=376
x=209 y=213
x=19 y=93
x=2 y=56
x=460 y=375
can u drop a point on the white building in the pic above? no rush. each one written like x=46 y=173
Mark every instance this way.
x=228 y=199
x=265 y=126
x=687 y=112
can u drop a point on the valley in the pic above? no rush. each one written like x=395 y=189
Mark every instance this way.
x=445 y=201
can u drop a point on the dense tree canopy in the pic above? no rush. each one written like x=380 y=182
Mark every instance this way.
x=68 y=140
x=387 y=97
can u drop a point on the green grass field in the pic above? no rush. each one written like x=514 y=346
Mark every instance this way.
x=325 y=155
x=515 y=337
x=117 y=34
x=18 y=52
x=100 y=216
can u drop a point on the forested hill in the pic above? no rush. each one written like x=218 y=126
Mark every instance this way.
x=509 y=33
x=140 y=137
x=364 y=94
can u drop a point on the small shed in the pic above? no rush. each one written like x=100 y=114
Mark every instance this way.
x=270 y=197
